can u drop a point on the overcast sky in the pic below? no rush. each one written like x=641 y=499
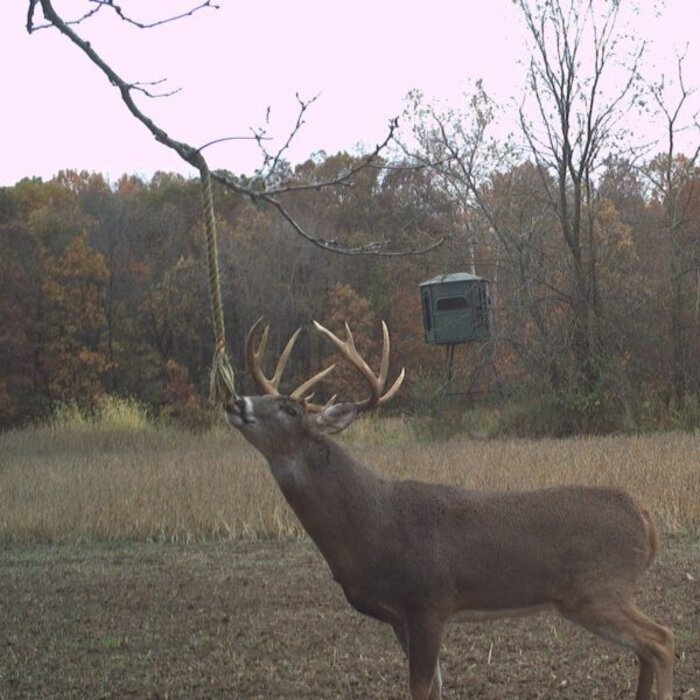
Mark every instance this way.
x=362 y=57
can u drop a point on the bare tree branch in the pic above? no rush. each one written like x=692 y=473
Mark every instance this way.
x=372 y=248
x=140 y=86
x=271 y=162
x=270 y=189
x=369 y=160
x=223 y=139
x=100 y=4
x=149 y=25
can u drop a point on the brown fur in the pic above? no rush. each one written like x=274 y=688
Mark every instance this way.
x=414 y=554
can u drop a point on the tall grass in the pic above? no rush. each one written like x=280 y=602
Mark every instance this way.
x=116 y=475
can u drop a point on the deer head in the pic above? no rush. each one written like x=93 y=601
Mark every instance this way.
x=278 y=425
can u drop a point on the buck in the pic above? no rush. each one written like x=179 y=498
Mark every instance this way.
x=415 y=554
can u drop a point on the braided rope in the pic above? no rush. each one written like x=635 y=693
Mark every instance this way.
x=222 y=381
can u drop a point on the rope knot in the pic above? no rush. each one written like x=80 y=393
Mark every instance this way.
x=221 y=382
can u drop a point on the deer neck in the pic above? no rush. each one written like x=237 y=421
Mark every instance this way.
x=339 y=501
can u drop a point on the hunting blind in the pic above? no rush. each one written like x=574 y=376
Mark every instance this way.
x=456 y=308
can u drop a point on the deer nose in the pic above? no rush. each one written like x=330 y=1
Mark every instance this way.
x=235 y=407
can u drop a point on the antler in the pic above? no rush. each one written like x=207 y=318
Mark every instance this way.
x=376 y=383
x=270 y=386
x=347 y=347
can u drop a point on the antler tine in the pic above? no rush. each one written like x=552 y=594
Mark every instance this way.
x=350 y=342
x=375 y=383
x=394 y=388
x=284 y=357
x=386 y=347
x=347 y=348
x=302 y=391
x=253 y=357
x=271 y=385
x=316 y=407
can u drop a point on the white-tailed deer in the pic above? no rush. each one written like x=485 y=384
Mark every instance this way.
x=415 y=554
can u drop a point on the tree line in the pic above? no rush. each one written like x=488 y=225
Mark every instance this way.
x=105 y=291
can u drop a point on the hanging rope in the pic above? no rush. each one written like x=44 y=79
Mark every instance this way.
x=221 y=383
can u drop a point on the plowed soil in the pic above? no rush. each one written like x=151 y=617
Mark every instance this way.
x=265 y=620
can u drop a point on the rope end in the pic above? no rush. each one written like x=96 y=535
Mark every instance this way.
x=222 y=388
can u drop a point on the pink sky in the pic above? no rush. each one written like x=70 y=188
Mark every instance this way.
x=363 y=57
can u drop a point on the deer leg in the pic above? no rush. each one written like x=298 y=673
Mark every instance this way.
x=645 y=680
x=400 y=630
x=436 y=690
x=402 y=636
x=659 y=658
x=424 y=640
x=622 y=623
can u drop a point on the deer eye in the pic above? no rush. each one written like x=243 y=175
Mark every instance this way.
x=289 y=409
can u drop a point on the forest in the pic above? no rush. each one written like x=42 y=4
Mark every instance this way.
x=105 y=292
x=587 y=228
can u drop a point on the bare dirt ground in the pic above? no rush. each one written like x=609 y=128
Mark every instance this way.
x=265 y=620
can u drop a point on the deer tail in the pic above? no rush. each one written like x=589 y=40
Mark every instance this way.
x=652 y=535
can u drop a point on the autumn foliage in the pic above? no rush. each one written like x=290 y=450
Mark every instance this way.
x=104 y=292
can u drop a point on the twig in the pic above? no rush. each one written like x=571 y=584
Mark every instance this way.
x=194 y=156
x=214 y=142
x=99 y=4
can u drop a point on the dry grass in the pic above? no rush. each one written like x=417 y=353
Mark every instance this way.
x=120 y=477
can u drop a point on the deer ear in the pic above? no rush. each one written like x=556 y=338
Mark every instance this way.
x=336 y=417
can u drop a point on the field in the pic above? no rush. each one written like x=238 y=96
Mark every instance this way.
x=120 y=476
x=137 y=561
x=263 y=619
